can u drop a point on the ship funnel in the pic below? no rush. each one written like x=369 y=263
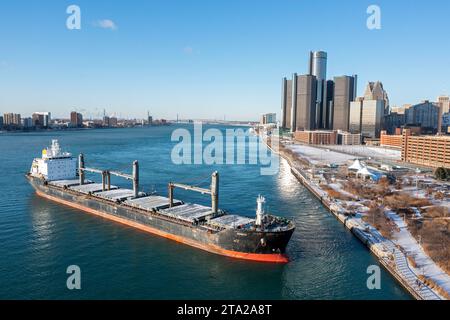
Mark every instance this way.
x=260 y=210
x=136 y=178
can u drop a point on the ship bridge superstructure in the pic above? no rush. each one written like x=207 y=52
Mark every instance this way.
x=54 y=164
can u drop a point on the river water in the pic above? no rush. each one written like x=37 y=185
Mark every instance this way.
x=40 y=239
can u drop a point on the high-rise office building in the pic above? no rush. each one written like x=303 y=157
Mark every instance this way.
x=375 y=91
x=331 y=100
x=392 y=121
x=367 y=113
x=344 y=94
x=1 y=122
x=303 y=111
x=106 y=121
x=286 y=103
x=268 y=118
x=372 y=118
x=443 y=103
x=329 y=106
x=354 y=125
x=12 y=119
x=41 y=119
x=27 y=122
x=318 y=68
x=425 y=115
x=149 y=118
x=306 y=97
x=76 y=119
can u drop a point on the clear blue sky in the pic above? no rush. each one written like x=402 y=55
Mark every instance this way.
x=210 y=58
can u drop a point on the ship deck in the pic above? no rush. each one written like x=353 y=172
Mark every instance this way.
x=231 y=221
x=187 y=212
x=90 y=188
x=151 y=203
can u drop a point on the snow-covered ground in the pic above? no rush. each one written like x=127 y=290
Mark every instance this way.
x=342 y=154
x=424 y=263
x=369 y=151
x=319 y=155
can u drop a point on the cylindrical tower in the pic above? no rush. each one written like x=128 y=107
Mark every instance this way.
x=318 y=68
x=318 y=64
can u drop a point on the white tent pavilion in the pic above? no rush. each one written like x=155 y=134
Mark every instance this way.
x=364 y=172
x=356 y=166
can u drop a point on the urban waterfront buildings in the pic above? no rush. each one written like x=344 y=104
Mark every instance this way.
x=286 y=103
x=76 y=119
x=367 y=113
x=325 y=137
x=268 y=118
x=311 y=102
x=372 y=118
x=27 y=122
x=318 y=69
x=11 y=120
x=375 y=91
x=446 y=122
x=149 y=118
x=348 y=138
x=303 y=113
x=393 y=120
x=393 y=141
x=444 y=103
x=424 y=115
x=41 y=119
x=429 y=116
x=355 y=117
x=426 y=150
x=344 y=94
x=432 y=151
x=319 y=137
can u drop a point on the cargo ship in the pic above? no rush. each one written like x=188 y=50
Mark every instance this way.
x=60 y=177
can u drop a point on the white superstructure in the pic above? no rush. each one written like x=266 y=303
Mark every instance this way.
x=54 y=164
x=260 y=201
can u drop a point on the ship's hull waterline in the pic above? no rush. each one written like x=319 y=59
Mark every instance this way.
x=234 y=243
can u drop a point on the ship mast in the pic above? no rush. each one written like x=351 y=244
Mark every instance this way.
x=213 y=191
x=106 y=175
x=260 y=210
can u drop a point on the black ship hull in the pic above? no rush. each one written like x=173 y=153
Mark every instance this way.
x=253 y=245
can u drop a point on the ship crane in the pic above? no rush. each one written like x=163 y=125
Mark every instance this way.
x=106 y=175
x=214 y=191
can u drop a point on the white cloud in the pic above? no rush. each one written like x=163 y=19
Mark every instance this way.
x=106 y=24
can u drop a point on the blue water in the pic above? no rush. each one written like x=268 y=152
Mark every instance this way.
x=40 y=239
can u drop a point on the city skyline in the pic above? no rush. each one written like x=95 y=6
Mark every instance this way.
x=215 y=57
